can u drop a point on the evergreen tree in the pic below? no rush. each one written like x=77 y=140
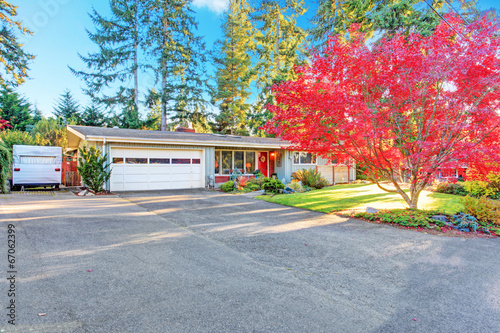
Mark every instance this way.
x=15 y=109
x=14 y=59
x=280 y=46
x=233 y=61
x=117 y=61
x=177 y=59
x=93 y=116
x=67 y=107
x=388 y=16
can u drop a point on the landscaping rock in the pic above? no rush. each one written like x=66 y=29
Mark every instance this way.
x=82 y=193
x=371 y=210
x=90 y=194
x=441 y=218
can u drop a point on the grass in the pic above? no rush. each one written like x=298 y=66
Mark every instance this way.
x=358 y=196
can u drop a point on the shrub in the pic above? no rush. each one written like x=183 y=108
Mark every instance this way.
x=228 y=186
x=311 y=178
x=451 y=188
x=5 y=162
x=406 y=217
x=487 y=211
x=296 y=187
x=93 y=168
x=256 y=181
x=16 y=137
x=272 y=185
x=478 y=188
x=251 y=187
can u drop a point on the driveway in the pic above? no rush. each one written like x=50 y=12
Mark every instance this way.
x=202 y=261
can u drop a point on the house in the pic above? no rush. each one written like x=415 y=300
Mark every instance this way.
x=153 y=160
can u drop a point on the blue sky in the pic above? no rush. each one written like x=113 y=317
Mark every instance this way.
x=59 y=35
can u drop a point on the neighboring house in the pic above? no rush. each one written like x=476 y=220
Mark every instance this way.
x=153 y=160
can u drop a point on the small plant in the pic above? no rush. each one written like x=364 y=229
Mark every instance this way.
x=93 y=168
x=251 y=187
x=227 y=186
x=311 y=178
x=412 y=218
x=272 y=185
x=296 y=187
x=485 y=210
x=451 y=188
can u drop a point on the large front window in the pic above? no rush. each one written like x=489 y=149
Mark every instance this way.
x=303 y=158
x=226 y=161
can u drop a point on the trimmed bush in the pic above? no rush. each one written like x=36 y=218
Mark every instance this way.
x=311 y=178
x=228 y=186
x=451 y=188
x=249 y=187
x=478 y=188
x=487 y=211
x=272 y=185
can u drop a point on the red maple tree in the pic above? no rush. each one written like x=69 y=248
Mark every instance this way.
x=403 y=107
x=4 y=124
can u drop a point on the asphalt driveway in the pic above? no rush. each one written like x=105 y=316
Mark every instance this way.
x=202 y=261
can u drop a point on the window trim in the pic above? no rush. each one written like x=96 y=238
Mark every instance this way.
x=218 y=152
x=298 y=152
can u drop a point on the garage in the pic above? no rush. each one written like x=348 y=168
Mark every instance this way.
x=156 y=169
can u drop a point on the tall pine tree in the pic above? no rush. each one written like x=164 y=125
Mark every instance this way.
x=177 y=59
x=93 y=116
x=67 y=108
x=280 y=46
x=232 y=58
x=15 y=109
x=112 y=74
x=386 y=16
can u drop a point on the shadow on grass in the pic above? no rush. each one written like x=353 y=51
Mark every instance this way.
x=334 y=201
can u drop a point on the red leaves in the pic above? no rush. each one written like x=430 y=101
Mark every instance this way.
x=409 y=102
x=4 y=124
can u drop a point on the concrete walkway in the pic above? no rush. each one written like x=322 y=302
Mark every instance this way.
x=202 y=261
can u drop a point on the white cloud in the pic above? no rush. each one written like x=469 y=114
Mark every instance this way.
x=217 y=6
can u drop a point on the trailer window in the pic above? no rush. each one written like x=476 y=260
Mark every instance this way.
x=38 y=159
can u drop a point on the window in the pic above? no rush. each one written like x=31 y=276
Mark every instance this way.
x=303 y=158
x=117 y=160
x=196 y=161
x=37 y=159
x=134 y=160
x=227 y=162
x=217 y=161
x=159 y=161
x=181 y=161
x=238 y=160
x=250 y=162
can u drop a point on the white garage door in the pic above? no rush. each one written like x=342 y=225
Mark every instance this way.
x=155 y=169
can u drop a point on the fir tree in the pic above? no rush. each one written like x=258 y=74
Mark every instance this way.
x=93 y=116
x=15 y=109
x=336 y=16
x=178 y=59
x=67 y=107
x=116 y=64
x=233 y=61
x=15 y=60
x=280 y=46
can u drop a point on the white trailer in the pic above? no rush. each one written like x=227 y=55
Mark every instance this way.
x=34 y=166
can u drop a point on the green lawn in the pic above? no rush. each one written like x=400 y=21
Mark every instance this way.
x=358 y=196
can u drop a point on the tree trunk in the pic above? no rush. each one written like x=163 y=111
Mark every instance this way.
x=136 y=61
x=163 y=125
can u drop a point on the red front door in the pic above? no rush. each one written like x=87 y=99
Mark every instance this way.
x=263 y=163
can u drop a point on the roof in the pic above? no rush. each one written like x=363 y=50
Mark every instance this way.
x=89 y=133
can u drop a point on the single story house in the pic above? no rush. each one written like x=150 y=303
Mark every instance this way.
x=154 y=160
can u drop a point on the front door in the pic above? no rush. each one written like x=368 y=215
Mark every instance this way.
x=263 y=163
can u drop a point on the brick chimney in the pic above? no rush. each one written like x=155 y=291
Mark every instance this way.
x=184 y=129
